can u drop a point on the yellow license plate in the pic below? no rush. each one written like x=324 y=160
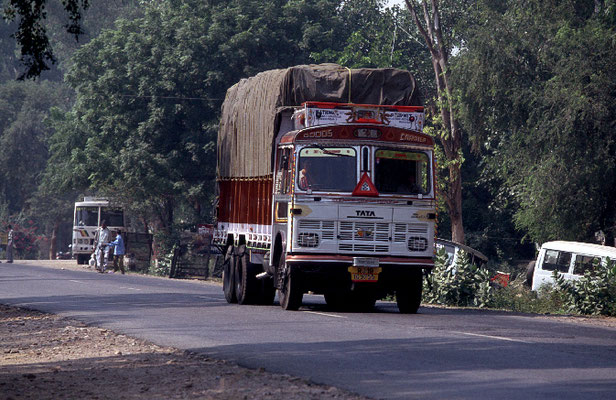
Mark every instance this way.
x=364 y=277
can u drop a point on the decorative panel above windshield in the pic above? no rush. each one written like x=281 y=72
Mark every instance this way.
x=327 y=169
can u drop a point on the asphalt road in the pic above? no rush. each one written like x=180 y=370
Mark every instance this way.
x=436 y=354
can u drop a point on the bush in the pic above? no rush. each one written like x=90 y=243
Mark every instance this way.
x=594 y=293
x=519 y=298
x=462 y=284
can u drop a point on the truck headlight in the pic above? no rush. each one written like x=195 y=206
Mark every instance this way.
x=305 y=239
x=417 y=243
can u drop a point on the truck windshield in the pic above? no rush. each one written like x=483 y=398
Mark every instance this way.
x=86 y=216
x=113 y=216
x=404 y=172
x=332 y=169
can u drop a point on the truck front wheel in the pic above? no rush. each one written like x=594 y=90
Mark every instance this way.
x=408 y=296
x=290 y=293
x=228 y=276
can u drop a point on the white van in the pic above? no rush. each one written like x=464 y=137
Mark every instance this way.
x=571 y=259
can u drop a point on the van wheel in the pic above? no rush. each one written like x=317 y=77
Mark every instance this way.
x=530 y=271
x=290 y=293
x=228 y=279
x=408 y=297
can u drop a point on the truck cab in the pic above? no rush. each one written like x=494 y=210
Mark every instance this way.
x=354 y=207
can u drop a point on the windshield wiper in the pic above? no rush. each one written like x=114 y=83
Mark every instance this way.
x=331 y=153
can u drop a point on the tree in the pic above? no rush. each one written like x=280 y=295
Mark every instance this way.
x=149 y=93
x=24 y=108
x=447 y=126
x=31 y=34
x=540 y=95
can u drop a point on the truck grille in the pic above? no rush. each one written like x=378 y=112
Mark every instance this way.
x=325 y=228
x=367 y=237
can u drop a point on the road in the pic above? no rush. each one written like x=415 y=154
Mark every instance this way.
x=436 y=354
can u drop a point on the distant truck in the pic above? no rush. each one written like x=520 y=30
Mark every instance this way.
x=325 y=184
x=87 y=217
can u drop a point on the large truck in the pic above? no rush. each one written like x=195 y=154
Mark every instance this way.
x=325 y=184
x=87 y=217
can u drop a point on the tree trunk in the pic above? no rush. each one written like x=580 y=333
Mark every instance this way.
x=53 y=245
x=449 y=135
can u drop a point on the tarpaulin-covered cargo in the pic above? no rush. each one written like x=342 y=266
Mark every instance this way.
x=251 y=110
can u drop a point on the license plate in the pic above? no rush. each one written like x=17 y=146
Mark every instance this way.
x=364 y=277
x=364 y=274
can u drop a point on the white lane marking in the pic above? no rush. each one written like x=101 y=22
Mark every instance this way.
x=493 y=337
x=70 y=280
x=327 y=315
x=129 y=288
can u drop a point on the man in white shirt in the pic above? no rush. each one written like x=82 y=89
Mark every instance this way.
x=102 y=247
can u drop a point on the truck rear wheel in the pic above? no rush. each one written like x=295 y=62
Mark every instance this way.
x=247 y=286
x=408 y=297
x=228 y=276
x=290 y=293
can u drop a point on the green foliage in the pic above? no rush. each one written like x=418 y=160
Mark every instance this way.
x=462 y=284
x=31 y=33
x=519 y=298
x=24 y=109
x=149 y=93
x=594 y=293
x=539 y=97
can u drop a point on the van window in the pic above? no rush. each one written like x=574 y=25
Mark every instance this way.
x=584 y=263
x=556 y=260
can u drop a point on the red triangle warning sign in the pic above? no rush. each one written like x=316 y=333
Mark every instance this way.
x=365 y=187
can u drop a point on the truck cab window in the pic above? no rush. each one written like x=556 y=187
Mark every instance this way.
x=283 y=171
x=86 y=216
x=331 y=169
x=412 y=172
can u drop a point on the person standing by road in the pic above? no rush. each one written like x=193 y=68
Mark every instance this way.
x=118 y=252
x=102 y=247
x=9 y=245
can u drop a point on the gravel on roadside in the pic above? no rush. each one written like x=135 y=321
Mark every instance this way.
x=45 y=356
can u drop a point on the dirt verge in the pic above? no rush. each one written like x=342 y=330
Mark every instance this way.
x=45 y=356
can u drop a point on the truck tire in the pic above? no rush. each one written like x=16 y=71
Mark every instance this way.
x=81 y=259
x=408 y=297
x=247 y=286
x=291 y=293
x=228 y=276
